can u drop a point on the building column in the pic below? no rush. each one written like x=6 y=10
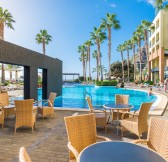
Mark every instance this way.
x=149 y=71
x=161 y=66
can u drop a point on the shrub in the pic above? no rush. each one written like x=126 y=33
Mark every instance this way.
x=89 y=78
x=106 y=83
x=76 y=80
x=81 y=78
x=149 y=82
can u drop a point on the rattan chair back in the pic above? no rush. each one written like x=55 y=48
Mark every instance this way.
x=52 y=97
x=158 y=136
x=89 y=104
x=23 y=155
x=4 y=99
x=81 y=130
x=24 y=113
x=121 y=99
x=143 y=115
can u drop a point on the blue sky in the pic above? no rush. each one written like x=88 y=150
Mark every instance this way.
x=70 y=22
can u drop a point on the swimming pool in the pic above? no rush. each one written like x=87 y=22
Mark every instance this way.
x=74 y=96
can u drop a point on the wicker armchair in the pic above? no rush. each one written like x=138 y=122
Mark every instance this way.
x=139 y=122
x=101 y=117
x=120 y=99
x=81 y=130
x=1 y=115
x=157 y=138
x=23 y=155
x=8 y=109
x=47 y=106
x=25 y=114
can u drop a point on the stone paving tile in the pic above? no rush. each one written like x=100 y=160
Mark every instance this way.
x=48 y=143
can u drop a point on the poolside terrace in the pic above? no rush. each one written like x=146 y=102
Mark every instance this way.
x=48 y=143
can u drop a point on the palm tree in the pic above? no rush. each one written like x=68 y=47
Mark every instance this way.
x=127 y=46
x=6 y=19
x=160 y=4
x=95 y=55
x=43 y=38
x=138 y=33
x=82 y=51
x=88 y=44
x=134 y=41
x=110 y=23
x=98 y=37
x=120 y=49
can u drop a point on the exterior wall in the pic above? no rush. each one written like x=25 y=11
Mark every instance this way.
x=158 y=43
x=16 y=55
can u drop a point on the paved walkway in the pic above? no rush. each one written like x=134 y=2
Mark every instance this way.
x=48 y=143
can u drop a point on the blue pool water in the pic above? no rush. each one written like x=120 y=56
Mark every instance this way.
x=73 y=96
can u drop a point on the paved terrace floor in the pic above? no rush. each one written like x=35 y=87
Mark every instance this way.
x=48 y=143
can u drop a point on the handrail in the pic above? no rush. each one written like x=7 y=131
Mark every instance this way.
x=86 y=93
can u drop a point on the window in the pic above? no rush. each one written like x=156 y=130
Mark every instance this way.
x=157 y=23
x=157 y=37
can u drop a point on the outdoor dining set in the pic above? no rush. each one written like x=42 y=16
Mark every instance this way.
x=82 y=134
x=25 y=111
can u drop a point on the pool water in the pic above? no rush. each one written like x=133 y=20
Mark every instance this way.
x=74 y=96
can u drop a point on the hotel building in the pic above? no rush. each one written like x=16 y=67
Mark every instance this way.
x=158 y=50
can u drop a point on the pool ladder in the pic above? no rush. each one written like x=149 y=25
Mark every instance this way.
x=85 y=94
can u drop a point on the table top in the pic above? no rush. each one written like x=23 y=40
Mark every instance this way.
x=117 y=106
x=118 y=152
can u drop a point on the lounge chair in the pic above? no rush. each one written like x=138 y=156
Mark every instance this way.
x=120 y=99
x=8 y=109
x=46 y=107
x=100 y=114
x=25 y=114
x=137 y=124
x=24 y=156
x=157 y=138
x=81 y=130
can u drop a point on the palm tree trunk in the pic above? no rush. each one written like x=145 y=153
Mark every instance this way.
x=86 y=68
x=98 y=50
x=128 y=64
x=122 y=65
x=43 y=47
x=97 y=68
x=109 y=48
x=147 y=54
x=2 y=38
x=140 y=65
x=133 y=47
x=83 y=61
x=89 y=62
x=10 y=75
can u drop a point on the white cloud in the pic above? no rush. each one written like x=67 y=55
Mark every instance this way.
x=151 y=2
x=113 y=5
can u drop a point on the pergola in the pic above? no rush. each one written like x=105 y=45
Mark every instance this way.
x=71 y=74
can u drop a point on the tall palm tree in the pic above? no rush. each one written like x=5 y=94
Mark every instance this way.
x=110 y=23
x=6 y=19
x=43 y=38
x=82 y=51
x=161 y=4
x=134 y=41
x=127 y=47
x=98 y=37
x=120 y=49
x=146 y=26
x=138 y=33
x=88 y=44
x=95 y=55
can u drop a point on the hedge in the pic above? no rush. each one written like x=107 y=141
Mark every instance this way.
x=106 y=83
x=149 y=82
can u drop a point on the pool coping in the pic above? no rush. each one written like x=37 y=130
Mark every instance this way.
x=157 y=110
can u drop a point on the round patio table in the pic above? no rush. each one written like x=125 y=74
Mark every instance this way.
x=118 y=152
x=114 y=106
